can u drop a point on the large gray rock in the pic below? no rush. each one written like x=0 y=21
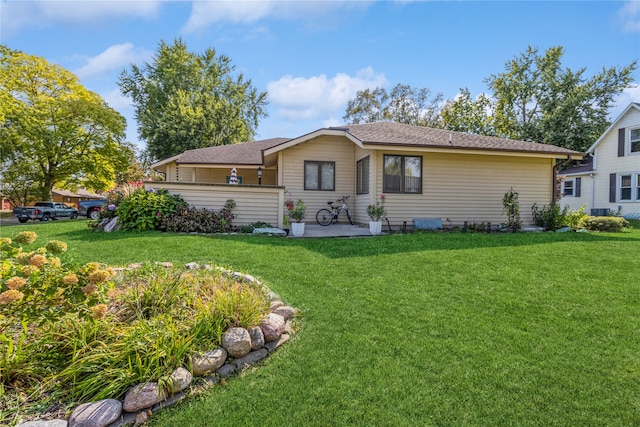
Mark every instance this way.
x=181 y=379
x=285 y=311
x=142 y=396
x=112 y=225
x=208 y=362
x=96 y=414
x=273 y=345
x=237 y=342
x=272 y=327
x=275 y=305
x=257 y=338
x=251 y=358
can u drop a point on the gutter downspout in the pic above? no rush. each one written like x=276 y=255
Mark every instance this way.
x=554 y=192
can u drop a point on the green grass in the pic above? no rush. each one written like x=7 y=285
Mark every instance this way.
x=422 y=329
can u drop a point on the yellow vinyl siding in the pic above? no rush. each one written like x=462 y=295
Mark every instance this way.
x=464 y=187
x=330 y=149
x=252 y=203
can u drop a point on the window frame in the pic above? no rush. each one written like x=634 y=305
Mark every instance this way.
x=320 y=182
x=631 y=142
x=363 y=177
x=572 y=188
x=403 y=158
x=633 y=187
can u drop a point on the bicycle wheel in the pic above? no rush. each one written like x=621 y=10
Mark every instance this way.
x=324 y=217
x=349 y=216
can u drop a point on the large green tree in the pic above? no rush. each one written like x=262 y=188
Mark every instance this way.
x=536 y=99
x=404 y=104
x=184 y=100
x=54 y=132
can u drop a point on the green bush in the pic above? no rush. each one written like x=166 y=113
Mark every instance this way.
x=511 y=207
x=551 y=217
x=575 y=218
x=248 y=228
x=145 y=209
x=189 y=219
x=605 y=223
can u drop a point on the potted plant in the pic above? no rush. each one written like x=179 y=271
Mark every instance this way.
x=296 y=212
x=376 y=212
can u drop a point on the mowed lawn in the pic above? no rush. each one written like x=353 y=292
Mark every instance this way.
x=421 y=329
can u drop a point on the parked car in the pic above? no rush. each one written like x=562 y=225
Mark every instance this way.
x=91 y=208
x=44 y=211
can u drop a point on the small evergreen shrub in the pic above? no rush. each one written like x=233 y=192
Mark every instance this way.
x=605 y=223
x=575 y=218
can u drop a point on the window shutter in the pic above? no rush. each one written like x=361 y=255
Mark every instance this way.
x=612 y=188
x=621 y=142
x=576 y=191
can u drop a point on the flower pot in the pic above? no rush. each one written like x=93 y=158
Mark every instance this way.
x=375 y=227
x=297 y=229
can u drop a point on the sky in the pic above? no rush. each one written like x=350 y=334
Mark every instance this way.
x=312 y=57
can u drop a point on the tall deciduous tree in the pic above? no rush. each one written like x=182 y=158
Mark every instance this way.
x=538 y=100
x=54 y=131
x=465 y=114
x=185 y=100
x=404 y=104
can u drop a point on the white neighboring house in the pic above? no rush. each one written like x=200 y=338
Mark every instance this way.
x=608 y=179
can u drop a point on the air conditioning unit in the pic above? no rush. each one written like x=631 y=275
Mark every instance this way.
x=600 y=212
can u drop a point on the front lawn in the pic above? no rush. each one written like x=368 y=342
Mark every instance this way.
x=421 y=329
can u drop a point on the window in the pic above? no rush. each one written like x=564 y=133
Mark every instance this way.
x=362 y=176
x=634 y=140
x=320 y=176
x=625 y=187
x=567 y=187
x=630 y=187
x=402 y=174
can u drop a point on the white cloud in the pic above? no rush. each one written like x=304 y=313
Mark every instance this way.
x=117 y=101
x=113 y=58
x=205 y=13
x=302 y=98
x=629 y=95
x=17 y=15
x=629 y=15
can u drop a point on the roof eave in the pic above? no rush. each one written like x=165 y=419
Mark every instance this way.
x=613 y=125
x=310 y=136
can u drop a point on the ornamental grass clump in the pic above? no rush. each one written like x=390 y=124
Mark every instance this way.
x=81 y=333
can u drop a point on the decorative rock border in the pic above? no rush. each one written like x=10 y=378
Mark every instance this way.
x=240 y=348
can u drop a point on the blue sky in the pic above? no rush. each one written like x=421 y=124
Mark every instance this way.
x=313 y=56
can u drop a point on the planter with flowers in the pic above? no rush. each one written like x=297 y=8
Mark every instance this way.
x=376 y=213
x=296 y=212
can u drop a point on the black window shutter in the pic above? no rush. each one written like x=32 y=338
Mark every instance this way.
x=612 y=188
x=621 y=142
x=576 y=191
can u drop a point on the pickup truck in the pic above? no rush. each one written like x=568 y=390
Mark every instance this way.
x=44 y=211
x=91 y=208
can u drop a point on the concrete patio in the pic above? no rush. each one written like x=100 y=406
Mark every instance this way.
x=333 y=230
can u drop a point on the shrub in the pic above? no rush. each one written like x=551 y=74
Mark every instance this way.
x=551 y=217
x=376 y=212
x=605 y=223
x=296 y=211
x=189 y=219
x=511 y=207
x=575 y=218
x=144 y=210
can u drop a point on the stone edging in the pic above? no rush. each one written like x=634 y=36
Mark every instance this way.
x=240 y=349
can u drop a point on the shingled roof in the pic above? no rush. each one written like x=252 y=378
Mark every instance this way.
x=388 y=133
x=248 y=153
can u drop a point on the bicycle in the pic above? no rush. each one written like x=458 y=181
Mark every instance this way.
x=328 y=216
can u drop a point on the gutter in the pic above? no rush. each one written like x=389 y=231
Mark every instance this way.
x=554 y=187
